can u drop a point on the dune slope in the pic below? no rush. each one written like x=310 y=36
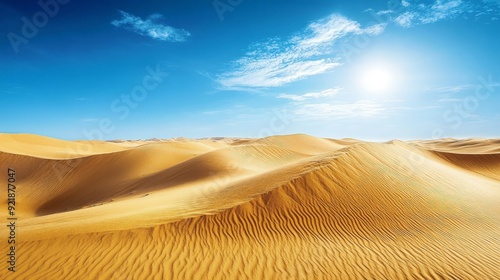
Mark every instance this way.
x=283 y=207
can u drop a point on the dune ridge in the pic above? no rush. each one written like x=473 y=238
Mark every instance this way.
x=282 y=207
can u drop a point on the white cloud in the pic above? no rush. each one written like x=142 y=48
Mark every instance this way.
x=274 y=72
x=280 y=61
x=442 y=100
x=320 y=105
x=325 y=93
x=376 y=29
x=494 y=2
x=384 y=12
x=463 y=88
x=150 y=27
x=362 y=108
x=405 y=20
x=441 y=10
x=431 y=13
x=453 y=89
x=90 y=120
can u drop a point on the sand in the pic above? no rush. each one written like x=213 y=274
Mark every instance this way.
x=282 y=207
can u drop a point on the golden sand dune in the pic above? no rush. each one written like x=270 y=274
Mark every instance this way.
x=282 y=207
x=462 y=146
x=44 y=147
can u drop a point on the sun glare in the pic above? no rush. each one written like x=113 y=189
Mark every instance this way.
x=377 y=79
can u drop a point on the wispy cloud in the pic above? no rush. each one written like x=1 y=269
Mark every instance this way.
x=424 y=14
x=150 y=27
x=384 y=12
x=279 y=61
x=444 y=100
x=453 y=89
x=362 y=108
x=494 y=2
x=443 y=9
x=406 y=19
x=310 y=95
x=321 y=105
x=90 y=120
x=462 y=88
x=419 y=13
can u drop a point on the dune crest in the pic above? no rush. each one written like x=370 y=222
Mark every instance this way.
x=281 y=207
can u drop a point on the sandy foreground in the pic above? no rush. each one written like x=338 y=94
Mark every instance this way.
x=282 y=207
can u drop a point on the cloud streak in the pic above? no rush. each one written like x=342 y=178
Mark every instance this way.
x=321 y=106
x=276 y=62
x=362 y=108
x=431 y=13
x=311 y=95
x=418 y=13
x=150 y=27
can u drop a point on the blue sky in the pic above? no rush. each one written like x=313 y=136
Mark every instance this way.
x=373 y=70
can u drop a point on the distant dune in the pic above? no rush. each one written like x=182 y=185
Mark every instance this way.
x=282 y=207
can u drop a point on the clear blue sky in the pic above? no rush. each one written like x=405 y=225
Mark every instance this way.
x=372 y=70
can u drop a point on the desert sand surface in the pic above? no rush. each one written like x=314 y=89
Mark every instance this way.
x=282 y=207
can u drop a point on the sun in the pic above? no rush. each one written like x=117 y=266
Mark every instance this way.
x=377 y=79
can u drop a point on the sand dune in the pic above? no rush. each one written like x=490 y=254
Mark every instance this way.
x=44 y=147
x=282 y=207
